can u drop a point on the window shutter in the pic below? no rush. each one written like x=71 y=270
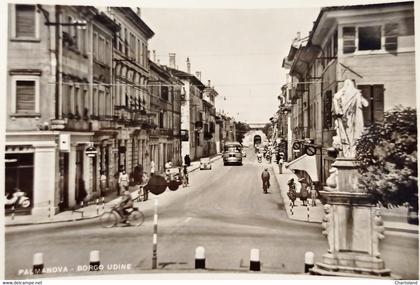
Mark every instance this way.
x=349 y=39
x=367 y=111
x=25 y=96
x=25 y=21
x=378 y=103
x=327 y=110
x=391 y=36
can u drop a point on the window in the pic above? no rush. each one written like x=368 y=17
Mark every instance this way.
x=107 y=52
x=95 y=45
x=374 y=94
x=85 y=103
x=142 y=54
x=161 y=118
x=79 y=102
x=82 y=40
x=327 y=109
x=25 y=21
x=66 y=98
x=125 y=41
x=164 y=92
x=369 y=38
x=132 y=46
x=25 y=96
x=101 y=49
x=102 y=103
x=108 y=108
x=95 y=102
x=138 y=50
x=349 y=39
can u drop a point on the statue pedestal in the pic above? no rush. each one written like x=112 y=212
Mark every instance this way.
x=353 y=228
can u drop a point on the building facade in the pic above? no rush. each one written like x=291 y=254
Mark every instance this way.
x=58 y=96
x=131 y=96
x=373 y=45
x=165 y=92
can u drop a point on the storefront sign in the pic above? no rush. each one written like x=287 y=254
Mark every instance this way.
x=91 y=151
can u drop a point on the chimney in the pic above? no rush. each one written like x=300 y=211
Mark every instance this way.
x=209 y=83
x=188 y=65
x=198 y=75
x=139 y=12
x=154 y=56
x=298 y=36
x=172 y=60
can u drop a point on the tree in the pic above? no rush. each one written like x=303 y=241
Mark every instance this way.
x=387 y=158
x=268 y=130
x=241 y=130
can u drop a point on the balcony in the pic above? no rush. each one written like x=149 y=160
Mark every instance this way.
x=166 y=132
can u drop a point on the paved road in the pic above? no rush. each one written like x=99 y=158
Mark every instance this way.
x=225 y=211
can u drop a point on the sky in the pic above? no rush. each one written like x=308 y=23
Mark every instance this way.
x=239 y=50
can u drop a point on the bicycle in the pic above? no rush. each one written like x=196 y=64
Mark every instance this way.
x=112 y=217
x=266 y=185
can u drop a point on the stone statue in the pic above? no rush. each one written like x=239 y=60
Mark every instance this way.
x=378 y=233
x=327 y=225
x=347 y=110
x=332 y=180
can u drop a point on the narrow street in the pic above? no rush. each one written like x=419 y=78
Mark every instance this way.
x=224 y=211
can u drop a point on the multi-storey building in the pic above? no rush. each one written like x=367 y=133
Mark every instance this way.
x=192 y=115
x=165 y=103
x=130 y=93
x=209 y=109
x=373 y=45
x=58 y=99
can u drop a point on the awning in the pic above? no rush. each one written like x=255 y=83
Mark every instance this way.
x=306 y=163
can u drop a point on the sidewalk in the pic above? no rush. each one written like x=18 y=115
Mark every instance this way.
x=298 y=212
x=90 y=211
x=316 y=214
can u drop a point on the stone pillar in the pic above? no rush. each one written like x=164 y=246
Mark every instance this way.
x=353 y=227
x=44 y=180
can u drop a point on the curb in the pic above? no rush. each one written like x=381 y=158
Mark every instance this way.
x=217 y=157
x=52 y=222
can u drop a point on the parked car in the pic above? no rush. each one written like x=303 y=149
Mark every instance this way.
x=205 y=163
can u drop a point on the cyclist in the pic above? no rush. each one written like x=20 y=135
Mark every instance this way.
x=259 y=156
x=125 y=206
x=265 y=177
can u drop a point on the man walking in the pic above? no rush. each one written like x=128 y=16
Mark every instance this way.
x=265 y=177
x=123 y=181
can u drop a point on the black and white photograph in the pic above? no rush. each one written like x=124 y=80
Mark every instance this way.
x=178 y=138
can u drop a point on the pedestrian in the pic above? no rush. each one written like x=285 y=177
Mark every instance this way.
x=152 y=168
x=82 y=191
x=265 y=177
x=138 y=174
x=168 y=166
x=292 y=191
x=187 y=160
x=281 y=161
x=145 y=190
x=314 y=195
x=185 y=179
x=103 y=180
x=303 y=191
x=123 y=181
